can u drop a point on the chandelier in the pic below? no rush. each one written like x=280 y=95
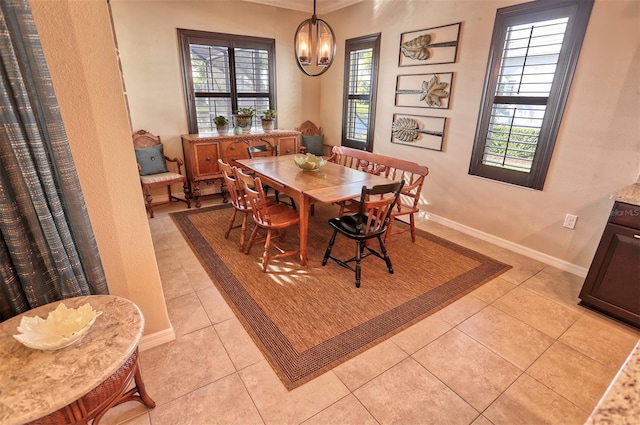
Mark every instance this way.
x=315 y=45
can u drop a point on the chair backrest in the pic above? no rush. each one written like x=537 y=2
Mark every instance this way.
x=413 y=175
x=376 y=204
x=356 y=158
x=258 y=151
x=308 y=128
x=252 y=187
x=237 y=195
x=144 y=139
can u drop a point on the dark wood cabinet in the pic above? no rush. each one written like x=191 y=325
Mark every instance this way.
x=612 y=285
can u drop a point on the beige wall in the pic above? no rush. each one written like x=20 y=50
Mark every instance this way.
x=146 y=33
x=78 y=45
x=597 y=151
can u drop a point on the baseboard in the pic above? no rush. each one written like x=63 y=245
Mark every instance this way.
x=157 y=338
x=511 y=246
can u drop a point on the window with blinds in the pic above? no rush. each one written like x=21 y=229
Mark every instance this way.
x=535 y=49
x=360 y=87
x=223 y=73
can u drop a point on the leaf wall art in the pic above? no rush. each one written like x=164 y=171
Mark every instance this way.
x=424 y=90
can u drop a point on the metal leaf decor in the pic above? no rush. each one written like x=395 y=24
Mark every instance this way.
x=432 y=92
x=408 y=130
x=418 y=48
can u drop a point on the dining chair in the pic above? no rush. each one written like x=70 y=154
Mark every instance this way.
x=153 y=170
x=238 y=200
x=369 y=222
x=270 y=217
x=414 y=176
x=258 y=151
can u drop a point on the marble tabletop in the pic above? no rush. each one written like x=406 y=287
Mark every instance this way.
x=620 y=404
x=35 y=383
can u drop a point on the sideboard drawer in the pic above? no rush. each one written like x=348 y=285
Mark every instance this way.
x=206 y=159
x=288 y=145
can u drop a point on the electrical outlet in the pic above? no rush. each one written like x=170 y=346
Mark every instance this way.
x=570 y=221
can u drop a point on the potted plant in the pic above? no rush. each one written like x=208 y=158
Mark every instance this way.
x=268 y=119
x=222 y=124
x=244 y=118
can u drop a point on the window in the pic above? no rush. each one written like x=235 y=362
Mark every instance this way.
x=225 y=72
x=360 y=86
x=534 y=51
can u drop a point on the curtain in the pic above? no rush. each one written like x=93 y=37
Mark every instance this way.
x=48 y=250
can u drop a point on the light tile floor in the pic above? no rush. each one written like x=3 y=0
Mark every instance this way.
x=518 y=350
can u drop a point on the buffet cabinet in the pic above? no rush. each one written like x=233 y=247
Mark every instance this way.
x=612 y=285
x=202 y=151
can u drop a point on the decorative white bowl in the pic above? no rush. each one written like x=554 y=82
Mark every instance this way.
x=309 y=162
x=62 y=327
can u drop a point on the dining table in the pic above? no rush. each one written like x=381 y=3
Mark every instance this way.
x=329 y=184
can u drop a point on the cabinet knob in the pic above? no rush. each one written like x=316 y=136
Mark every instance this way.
x=232 y=148
x=208 y=158
x=288 y=151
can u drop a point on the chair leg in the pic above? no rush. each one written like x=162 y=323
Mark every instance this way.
x=265 y=255
x=413 y=227
x=230 y=226
x=327 y=253
x=148 y=200
x=385 y=254
x=359 y=248
x=252 y=239
x=387 y=234
x=243 y=231
x=187 y=193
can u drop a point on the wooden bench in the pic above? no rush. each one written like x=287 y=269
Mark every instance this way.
x=394 y=169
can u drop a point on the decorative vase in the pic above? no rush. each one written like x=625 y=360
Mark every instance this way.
x=244 y=121
x=222 y=129
x=237 y=130
x=267 y=124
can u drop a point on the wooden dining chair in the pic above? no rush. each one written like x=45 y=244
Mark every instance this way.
x=274 y=218
x=371 y=221
x=238 y=200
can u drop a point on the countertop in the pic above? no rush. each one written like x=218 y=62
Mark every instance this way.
x=629 y=194
x=620 y=404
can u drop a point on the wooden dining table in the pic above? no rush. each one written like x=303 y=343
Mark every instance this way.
x=331 y=183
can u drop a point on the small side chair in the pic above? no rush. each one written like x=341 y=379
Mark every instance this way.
x=369 y=222
x=152 y=167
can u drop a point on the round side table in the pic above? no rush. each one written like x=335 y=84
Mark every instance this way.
x=78 y=383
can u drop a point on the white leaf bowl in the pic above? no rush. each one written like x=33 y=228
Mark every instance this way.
x=62 y=327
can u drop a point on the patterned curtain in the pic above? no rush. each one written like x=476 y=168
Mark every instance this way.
x=47 y=248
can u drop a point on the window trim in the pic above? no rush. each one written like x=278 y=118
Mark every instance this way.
x=231 y=41
x=358 y=43
x=579 y=12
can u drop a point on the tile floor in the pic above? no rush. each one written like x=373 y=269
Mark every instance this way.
x=518 y=350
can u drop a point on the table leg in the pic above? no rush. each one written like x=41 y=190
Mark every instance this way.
x=303 y=208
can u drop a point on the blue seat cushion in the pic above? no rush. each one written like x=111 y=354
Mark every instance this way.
x=313 y=144
x=151 y=160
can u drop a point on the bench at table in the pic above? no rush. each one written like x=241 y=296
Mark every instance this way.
x=394 y=169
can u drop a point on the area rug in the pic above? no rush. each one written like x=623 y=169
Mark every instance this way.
x=308 y=319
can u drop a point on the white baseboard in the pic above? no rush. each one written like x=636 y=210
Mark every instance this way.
x=527 y=252
x=157 y=338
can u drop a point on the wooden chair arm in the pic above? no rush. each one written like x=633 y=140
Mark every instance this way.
x=178 y=161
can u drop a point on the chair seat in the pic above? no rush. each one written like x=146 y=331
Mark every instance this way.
x=348 y=225
x=162 y=177
x=280 y=214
